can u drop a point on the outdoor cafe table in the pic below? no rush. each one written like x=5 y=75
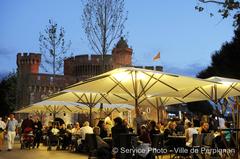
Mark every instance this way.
x=108 y=140
x=178 y=141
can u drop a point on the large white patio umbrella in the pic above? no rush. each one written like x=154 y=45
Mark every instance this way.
x=222 y=88
x=135 y=84
x=159 y=102
x=91 y=99
x=53 y=107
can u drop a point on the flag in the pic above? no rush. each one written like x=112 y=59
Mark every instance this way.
x=157 y=57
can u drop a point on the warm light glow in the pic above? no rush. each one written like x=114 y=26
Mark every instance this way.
x=226 y=83
x=140 y=75
x=122 y=75
x=127 y=76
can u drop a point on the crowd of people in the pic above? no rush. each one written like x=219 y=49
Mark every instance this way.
x=73 y=137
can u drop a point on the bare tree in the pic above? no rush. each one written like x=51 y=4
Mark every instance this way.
x=226 y=8
x=103 y=22
x=53 y=47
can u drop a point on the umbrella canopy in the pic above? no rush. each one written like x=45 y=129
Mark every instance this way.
x=53 y=107
x=159 y=102
x=224 y=87
x=90 y=99
x=136 y=84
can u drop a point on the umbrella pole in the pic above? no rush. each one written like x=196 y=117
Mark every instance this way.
x=90 y=116
x=54 y=116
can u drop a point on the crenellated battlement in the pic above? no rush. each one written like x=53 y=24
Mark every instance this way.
x=87 y=59
x=28 y=62
x=28 y=58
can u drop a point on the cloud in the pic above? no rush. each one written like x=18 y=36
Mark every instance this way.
x=189 y=70
x=5 y=53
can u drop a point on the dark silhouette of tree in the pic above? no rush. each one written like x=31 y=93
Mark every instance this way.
x=103 y=22
x=53 y=47
x=200 y=107
x=226 y=8
x=225 y=62
x=8 y=87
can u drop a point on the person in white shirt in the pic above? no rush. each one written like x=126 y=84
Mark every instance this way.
x=221 y=122
x=2 y=128
x=11 y=131
x=76 y=130
x=86 y=129
x=190 y=130
x=55 y=130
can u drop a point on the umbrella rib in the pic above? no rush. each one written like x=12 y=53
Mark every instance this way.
x=116 y=82
x=204 y=93
x=165 y=100
x=143 y=93
x=151 y=103
x=112 y=111
x=144 y=87
x=236 y=88
x=142 y=100
x=88 y=102
x=60 y=109
x=47 y=107
x=67 y=108
x=103 y=96
x=190 y=92
x=228 y=90
x=95 y=97
x=162 y=81
x=148 y=88
x=79 y=98
x=123 y=88
x=120 y=97
x=179 y=100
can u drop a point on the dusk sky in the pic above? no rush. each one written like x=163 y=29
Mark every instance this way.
x=185 y=37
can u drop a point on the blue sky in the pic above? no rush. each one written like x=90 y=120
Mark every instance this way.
x=185 y=37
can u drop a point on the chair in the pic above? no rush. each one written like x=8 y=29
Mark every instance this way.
x=91 y=143
x=53 y=140
x=157 y=144
x=126 y=141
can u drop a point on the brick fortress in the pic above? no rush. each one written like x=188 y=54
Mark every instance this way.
x=32 y=86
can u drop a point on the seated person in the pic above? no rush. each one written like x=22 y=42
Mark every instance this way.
x=144 y=135
x=204 y=127
x=103 y=149
x=53 y=134
x=64 y=136
x=75 y=137
x=100 y=142
x=190 y=130
x=170 y=130
x=86 y=129
x=227 y=132
x=118 y=129
x=103 y=130
x=153 y=129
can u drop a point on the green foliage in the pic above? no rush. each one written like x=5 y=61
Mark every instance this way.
x=53 y=47
x=225 y=62
x=226 y=9
x=8 y=87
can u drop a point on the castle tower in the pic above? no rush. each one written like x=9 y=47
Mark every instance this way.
x=122 y=54
x=27 y=64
